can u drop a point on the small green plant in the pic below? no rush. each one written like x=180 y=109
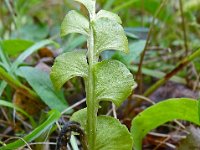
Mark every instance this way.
x=108 y=80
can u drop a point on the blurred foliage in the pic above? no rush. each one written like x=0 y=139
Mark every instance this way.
x=25 y=23
x=35 y=20
x=39 y=19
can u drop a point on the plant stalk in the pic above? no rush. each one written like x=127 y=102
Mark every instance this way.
x=92 y=106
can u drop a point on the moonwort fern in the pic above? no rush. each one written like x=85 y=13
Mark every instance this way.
x=108 y=80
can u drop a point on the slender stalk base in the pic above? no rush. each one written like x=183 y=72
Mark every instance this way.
x=92 y=107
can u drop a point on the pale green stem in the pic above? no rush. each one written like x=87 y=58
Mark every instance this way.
x=92 y=106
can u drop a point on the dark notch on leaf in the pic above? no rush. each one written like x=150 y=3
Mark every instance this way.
x=65 y=135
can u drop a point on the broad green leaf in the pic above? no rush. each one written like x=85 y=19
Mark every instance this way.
x=41 y=83
x=16 y=46
x=67 y=66
x=109 y=15
x=113 y=81
x=11 y=105
x=168 y=110
x=111 y=134
x=53 y=117
x=89 y=4
x=109 y=35
x=74 y=22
